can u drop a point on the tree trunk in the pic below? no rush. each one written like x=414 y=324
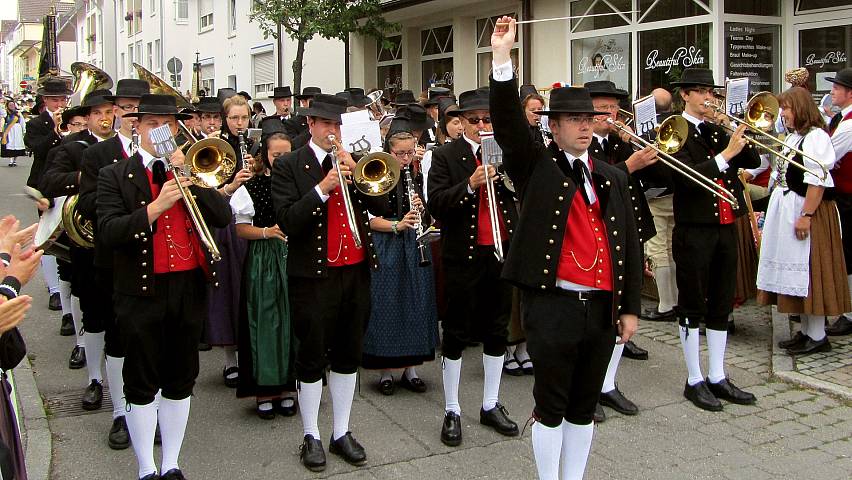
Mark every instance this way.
x=297 y=65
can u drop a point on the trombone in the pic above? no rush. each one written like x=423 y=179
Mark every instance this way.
x=628 y=116
x=759 y=107
x=671 y=136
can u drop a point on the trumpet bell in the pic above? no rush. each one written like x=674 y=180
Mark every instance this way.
x=672 y=134
x=762 y=110
x=211 y=162
x=87 y=79
x=376 y=174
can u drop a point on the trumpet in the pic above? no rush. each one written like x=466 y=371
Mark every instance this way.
x=760 y=113
x=671 y=136
x=418 y=227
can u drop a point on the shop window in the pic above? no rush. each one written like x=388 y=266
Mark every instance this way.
x=804 y=6
x=436 y=41
x=753 y=7
x=655 y=10
x=824 y=52
x=581 y=8
x=437 y=73
x=483 y=61
x=389 y=64
x=665 y=53
x=389 y=77
x=751 y=51
x=391 y=52
x=436 y=51
x=602 y=58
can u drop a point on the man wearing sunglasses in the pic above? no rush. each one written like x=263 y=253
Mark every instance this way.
x=478 y=301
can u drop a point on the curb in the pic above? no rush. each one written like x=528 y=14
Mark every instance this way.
x=782 y=364
x=35 y=431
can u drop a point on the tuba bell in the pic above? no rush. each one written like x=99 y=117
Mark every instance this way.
x=87 y=79
x=211 y=162
x=78 y=229
x=376 y=174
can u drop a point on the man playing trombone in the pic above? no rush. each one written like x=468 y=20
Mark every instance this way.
x=704 y=240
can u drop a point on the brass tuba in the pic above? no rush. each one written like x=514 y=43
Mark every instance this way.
x=87 y=79
x=78 y=229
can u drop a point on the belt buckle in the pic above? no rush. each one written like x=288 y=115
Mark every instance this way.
x=582 y=296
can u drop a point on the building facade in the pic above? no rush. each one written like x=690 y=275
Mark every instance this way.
x=638 y=44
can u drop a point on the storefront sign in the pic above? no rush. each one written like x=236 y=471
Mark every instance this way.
x=824 y=51
x=602 y=58
x=751 y=52
x=683 y=56
x=665 y=53
x=830 y=58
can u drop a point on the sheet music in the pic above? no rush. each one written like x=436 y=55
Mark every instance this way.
x=492 y=154
x=736 y=96
x=360 y=133
x=163 y=140
x=645 y=115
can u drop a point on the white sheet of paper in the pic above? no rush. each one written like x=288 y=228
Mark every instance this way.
x=736 y=96
x=644 y=115
x=359 y=135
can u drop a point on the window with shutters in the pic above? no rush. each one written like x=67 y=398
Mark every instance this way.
x=263 y=73
x=208 y=79
x=182 y=11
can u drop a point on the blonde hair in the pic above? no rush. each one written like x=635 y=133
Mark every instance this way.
x=235 y=101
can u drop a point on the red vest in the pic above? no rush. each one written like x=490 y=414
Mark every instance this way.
x=341 y=246
x=842 y=174
x=484 y=235
x=584 y=258
x=176 y=247
x=726 y=213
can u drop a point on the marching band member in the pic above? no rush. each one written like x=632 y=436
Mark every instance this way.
x=478 y=301
x=297 y=126
x=210 y=120
x=704 y=241
x=576 y=256
x=840 y=130
x=431 y=105
x=113 y=150
x=159 y=296
x=282 y=98
x=403 y=329
x=798 y=268
x=328 y=275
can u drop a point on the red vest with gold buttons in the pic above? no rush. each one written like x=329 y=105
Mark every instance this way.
x=484 y=235
x=842 y=175
x=176 y=247
x=341 y=246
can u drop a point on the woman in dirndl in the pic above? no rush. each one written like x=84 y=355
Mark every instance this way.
x=266 y=341
x=403 y=329
x=801 y=267
x=12 y=126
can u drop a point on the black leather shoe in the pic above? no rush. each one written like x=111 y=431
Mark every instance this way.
x=730 y=392
x=512 y=367
x=631 y=350
x=349 y=449
x=416 y=384
x=173 y=474
x=841 y=326
x=55 y=303
x=265 y=414
x=599 y=416
x=151 y=476
x=286 y=411
x=311 y=454
x=93 y=396
x=231 y=382
x=618 y=402
x=451 y=431
x=498 y=419
x=811 y=346
x=796 y=340
x=67 y=328
x=386 y=386
x=732 y=327
x=119 y=436
x=78 y=358
x=702 y=397
x=654 y=315
x=527 y=367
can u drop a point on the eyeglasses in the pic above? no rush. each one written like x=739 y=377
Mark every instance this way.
x=235 y=118
x=77 y=124
x=409 y=153
x=607 y=108
x=700 y=90
x=578 y=120
x=475 y=120
x=128 y=107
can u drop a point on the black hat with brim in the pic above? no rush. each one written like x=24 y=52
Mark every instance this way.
x=843 y=77
x=570 y=100
x=130 y=88
x=329 y=107
x=604 y=88
x=415 y=115
x=152 y=104
x=527 y=90
x=309 y=92
x=404 y=97
x=271 y=125
x=72 y=112
x=435 y=93
x=359 y=98
x=696 y=77
x=444 y=103
x=208 y=105
x=54 y=87
x=281 y=92
x=96 y=98
x=245 y=95
x=225 y=93
x=472 y=100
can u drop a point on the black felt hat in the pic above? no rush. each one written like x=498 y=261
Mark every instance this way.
x=415 y=115
x=527 y=90
x=359 y=99
x=404 y=97
x=96 y=98
x=436 y=93
x=570 y=100
x=130 y=88
x=271 y=125
x=72 y=112
x=444 y=103
x=152 y=104
x=309 y=92
x=605 y=88
x=225 y=93
x=245 y=95
x=54 y=87
x=208 y=105
x=281 y=92
x=329 y=107
x=843 y=77
x=699 y=77
x=472 y=100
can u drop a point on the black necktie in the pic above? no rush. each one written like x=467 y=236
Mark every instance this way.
x=835 y=121
x=577 y=171
x=604 y=144
x=159 y=172
x=326 y=164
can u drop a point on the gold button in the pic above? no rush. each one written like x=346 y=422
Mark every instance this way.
x=615 y=233
x=550 y=241
x=543 y=287
x=319 y=272
x=618 y=248
x=142 y=202
x=144 y=288
x=620 y=262
x=619 y=292
x=546 y=271
x=555 y=227
x=556 y=212
x=136 y=236
x=620 y=277
x=547 y=257
x=144 y=264
x=144 y=252
x=561 y=198
x=129 y=175
x=144 y=276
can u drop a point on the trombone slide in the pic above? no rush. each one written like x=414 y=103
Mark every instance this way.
x=344 y=192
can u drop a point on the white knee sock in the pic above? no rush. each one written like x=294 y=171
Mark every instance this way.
x=142 y=423
x=410 y=373
x=493 y=367
x=114 y=366
x=342 y=388
x=547 y=448
x=95 y=355
x=174 y=415
x=816 y=326
x=521 y=353
x=451 y=376
x=230 y=356
x=716 y=342
x=310 y=395
x=50 y=274
x=64 y=289
x=689 y=342
x=663 y=277
x=612 y=368
x=576 y=444
x=673 y=282
x=77 y=315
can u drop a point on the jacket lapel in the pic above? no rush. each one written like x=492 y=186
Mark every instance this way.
x=602 y=185
x=309 y=164
x=465 y=155
x=136 y=175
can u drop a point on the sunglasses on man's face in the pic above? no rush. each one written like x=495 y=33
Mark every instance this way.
x=476 y=120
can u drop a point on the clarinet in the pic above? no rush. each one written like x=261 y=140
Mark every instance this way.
x=243 y=150
x=418 y=227
x=134 y=141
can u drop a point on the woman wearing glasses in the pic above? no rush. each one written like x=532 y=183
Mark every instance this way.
x=403 y=328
